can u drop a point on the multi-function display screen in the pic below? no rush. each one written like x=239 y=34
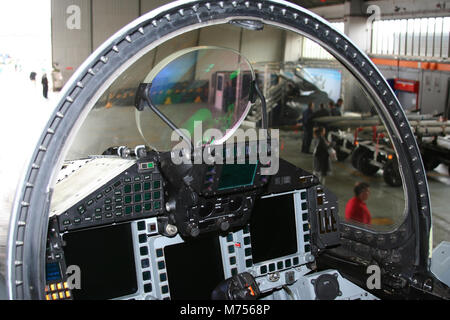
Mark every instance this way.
x=194 y=268
x=273 y=228
x=106 y=260
x=236 y=175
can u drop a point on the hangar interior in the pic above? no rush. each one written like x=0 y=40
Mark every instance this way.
x=407 y=40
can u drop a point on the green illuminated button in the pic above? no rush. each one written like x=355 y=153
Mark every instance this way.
x=137 y=187
x=147 y=186
x=118 y=199
x=157 y=205
x=156 y=195
x=147 y=196
x=128 y=210
x=90 y=202
x=98 y=210
x=148 y=177
x=127 y=180
x=99 y=196
x=108 y=201
x=108 y=215
x=108 y=189
x=156 y=184
x=127 y=188
x=118 y=213
x=147 y=206
x=66 y=222
x=128 y=199
x=137 y=208
x=98 y=217
x=137 y=197
x=108 y=208
x=137 y=178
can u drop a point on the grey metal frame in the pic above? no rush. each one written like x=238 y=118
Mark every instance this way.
x=29 y=219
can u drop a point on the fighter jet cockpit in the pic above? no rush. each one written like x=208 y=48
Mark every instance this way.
x=164 y=175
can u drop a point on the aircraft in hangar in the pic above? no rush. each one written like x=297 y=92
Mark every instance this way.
x=174 y=219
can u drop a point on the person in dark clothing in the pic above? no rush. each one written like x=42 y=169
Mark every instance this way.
x=322 y=112
x=322 y=161
x=356 y=208
x=33 y=77
x=307 y=128
x=333 y=110
x=45 y=86
x=338 y=106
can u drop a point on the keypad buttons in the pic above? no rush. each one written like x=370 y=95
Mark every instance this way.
x=146 y=275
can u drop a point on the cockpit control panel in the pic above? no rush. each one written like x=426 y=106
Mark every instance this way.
x=222 y=222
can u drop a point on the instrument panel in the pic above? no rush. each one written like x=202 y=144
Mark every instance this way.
x=145 y=233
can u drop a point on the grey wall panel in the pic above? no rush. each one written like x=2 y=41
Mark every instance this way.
x=263 y=46
x=183 y=41
x=70 y=45
x=434 y=92
x=148 y=5
x=294 y=46
x=223 y=36
x=109 y=16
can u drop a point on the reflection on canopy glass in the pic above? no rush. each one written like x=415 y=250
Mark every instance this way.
x=197 y=88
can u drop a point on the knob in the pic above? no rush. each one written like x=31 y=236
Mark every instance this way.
x=192 y=229
x=223 y=224
x=171 y=205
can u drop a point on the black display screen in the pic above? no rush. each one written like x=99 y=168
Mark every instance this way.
x=273 y=228
x=106 y=260
x=236 y=175
x=194 y=268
